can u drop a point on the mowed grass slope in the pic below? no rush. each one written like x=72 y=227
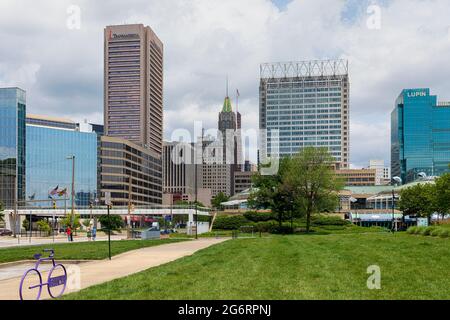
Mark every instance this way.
x=79 y=250
x=295 y=267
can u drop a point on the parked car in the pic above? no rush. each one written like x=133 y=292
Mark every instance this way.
x=5 y=232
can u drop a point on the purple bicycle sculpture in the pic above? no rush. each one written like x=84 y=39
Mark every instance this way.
x=31 y=282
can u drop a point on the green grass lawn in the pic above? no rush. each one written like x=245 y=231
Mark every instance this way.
x=295 y=267
x=79 y=250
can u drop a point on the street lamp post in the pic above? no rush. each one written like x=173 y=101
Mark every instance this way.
x=108 y=203
x=393 y=210
x=72 y=157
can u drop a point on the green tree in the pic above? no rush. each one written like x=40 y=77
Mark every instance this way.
x=442 y=194
x=418 y=200
x=72 y=221
x=26 y=224
x=218 y=199
x=115 y=225
x=44 y=226
x=313 y=182
x=273 y=193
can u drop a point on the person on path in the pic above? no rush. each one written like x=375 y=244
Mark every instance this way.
x=94 y=233
x=69 y=234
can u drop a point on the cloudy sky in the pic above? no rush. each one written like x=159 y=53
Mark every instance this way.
x=393 y=45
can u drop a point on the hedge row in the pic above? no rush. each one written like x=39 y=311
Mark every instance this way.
x=264 y=222
x=430 y=231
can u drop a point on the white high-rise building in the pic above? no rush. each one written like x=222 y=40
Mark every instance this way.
x=306 y=104
x=383 y=173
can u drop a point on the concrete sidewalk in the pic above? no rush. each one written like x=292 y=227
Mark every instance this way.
x=9 y=242
x=96 y=272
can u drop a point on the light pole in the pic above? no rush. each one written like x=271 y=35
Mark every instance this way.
x=72 y=157
x=195 y=203
x=398 y=181
x=108 y=203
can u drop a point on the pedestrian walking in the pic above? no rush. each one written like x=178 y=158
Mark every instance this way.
x=69 y=234
x=94 y=233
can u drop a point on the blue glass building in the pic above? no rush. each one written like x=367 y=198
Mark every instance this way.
x=420 y=135
x=12 y=145
x=50 y=141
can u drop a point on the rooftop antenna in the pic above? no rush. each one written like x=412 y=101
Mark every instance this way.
x=227 y=85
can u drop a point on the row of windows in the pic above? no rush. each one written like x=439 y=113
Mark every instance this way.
x=304 y=111
x=327 y=138
x=325 y=116
x=289 y=95
x=327 y=85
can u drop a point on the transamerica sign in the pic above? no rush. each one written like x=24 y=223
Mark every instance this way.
x=115 y=36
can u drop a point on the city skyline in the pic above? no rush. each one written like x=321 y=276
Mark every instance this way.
x=223 y=42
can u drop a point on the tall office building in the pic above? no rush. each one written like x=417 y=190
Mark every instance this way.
x=222 y=157
x=130 y=172
x=308 y=104
x=12 y=146
x=420 y=135
x=134 y=85
x=133 y=114
x=383 y=173
x=178 y=177
x=50 y=141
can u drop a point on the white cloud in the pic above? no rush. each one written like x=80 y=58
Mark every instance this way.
x=205 y=40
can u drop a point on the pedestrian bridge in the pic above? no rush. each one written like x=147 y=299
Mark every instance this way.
x=115 y=211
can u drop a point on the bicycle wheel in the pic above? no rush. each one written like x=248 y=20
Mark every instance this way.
x=31 y=285
x=57 y=281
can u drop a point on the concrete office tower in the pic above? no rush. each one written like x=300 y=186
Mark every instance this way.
x=130 y=172
x=133 y=114
x=222 y=157
x=420 y=135
x=308 y=102
x=134 y=85
x=178 y=176
x=213 y=173
x=383 y=176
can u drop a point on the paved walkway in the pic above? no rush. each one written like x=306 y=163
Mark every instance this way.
x=8 y=242
x=96 y=272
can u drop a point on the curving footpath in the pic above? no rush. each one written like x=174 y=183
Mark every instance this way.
x=97 y=272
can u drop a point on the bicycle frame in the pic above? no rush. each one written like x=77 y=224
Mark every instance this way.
x=52 y=282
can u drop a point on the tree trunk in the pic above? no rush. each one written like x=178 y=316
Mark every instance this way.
x=308 y=221
x=280 y=219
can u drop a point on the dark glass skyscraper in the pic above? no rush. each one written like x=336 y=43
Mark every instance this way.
x=12 y=145
x=420 y=135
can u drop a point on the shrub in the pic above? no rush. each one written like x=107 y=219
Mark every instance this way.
x=265 y=226
x=284 y=229
x=44 y=227
x=412 y=230
x=436 y=232
x=420 y=230
x=259 y=216
x=322 y=220
x=115 y=225
x=26 y=224
x=230 y=222
x=445 y=233
x=427 y=231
